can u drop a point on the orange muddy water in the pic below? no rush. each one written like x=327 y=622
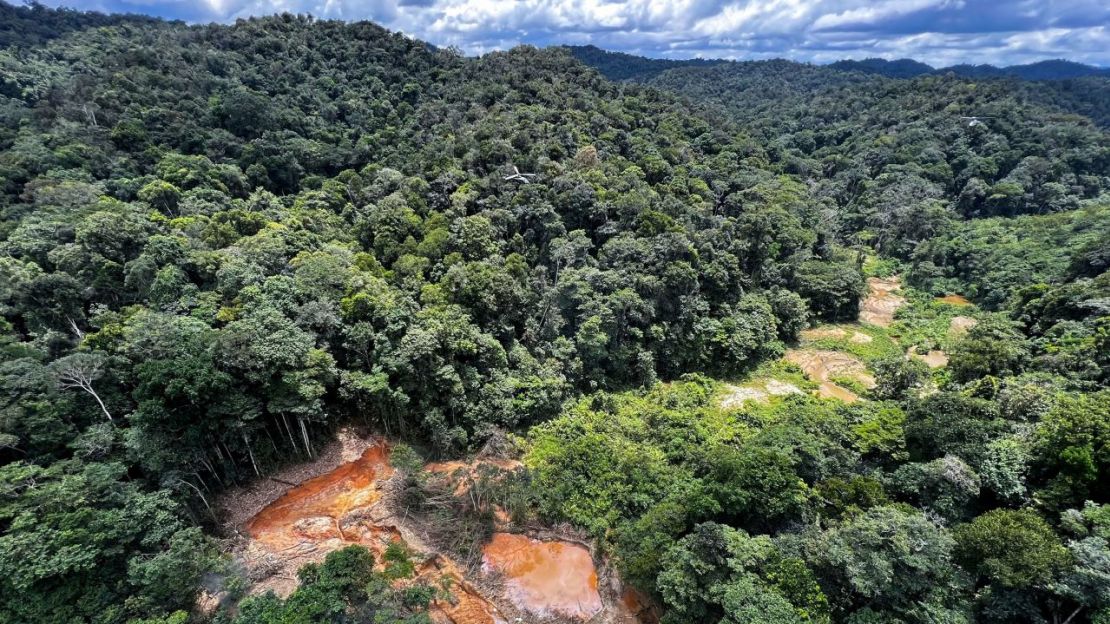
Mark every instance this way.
x=545 y=578
x=333 y=495
x=345 y=506
x=337 y=508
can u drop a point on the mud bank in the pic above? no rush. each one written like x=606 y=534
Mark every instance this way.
x=522 y=579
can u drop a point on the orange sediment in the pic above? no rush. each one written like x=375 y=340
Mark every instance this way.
x=821 y=366
x=956 y=300
x=345 y=506
x=545 y=578
x=330 y=496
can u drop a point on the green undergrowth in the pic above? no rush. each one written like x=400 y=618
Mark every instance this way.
x=639 y=469
x=777 y=370
x=850 y=383
x=875 y=266
x=924 y=322
x=881 y=344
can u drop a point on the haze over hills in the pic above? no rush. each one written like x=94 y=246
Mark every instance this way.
x=1057 y=69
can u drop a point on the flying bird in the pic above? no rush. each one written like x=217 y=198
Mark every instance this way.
x=520 y=177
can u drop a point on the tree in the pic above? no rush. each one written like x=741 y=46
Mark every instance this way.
x=1014 y=548
x=81 y=542
x=946 y=423
x=890 y=562
x=1017 y=561
x=1070 y=445
x=897 y=377
x=992 y=347
x=947 y=486
x=721 y=575
x=79 y=371
x=343 y=588
x=833 y=289
x=161 y=195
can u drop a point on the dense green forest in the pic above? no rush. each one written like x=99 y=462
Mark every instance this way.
x=220 y=243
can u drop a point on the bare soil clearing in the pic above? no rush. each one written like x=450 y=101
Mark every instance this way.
x=933 y=359
x=959 y=325
x=882 y=301
x=822 y=366
x=760 y=390
x=346 y=497
x=835 y=332
x=956 y=300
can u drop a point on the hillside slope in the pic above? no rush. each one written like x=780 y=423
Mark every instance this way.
x=637 y=306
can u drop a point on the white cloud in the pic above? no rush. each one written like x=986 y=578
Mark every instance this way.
x=939 y=32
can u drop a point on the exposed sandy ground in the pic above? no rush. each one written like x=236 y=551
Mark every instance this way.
x=347 y=496
x=760 y=390
x=824 y=332
x=882 y=301
x=835 y=332
x=960 y=325
x=821 y=366
x=877 y=308
x=956 y=300
x=934 y=359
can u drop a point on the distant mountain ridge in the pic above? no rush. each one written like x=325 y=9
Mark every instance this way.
x=622 y=66
x=900 y=68
x=1056 y=69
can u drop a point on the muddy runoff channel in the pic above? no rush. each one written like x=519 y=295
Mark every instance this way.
x=521 y=577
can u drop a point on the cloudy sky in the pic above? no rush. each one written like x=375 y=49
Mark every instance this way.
x=939 y=32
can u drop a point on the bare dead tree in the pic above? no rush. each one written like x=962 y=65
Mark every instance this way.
x=76 y=330
x=79 y=371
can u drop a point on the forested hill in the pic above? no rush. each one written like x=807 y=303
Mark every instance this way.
x=1057 y=85
x=220 y=243
x=622 y=66
x=35 y=23
x=901 y=148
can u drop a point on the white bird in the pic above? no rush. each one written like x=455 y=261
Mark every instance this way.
x=974 y=121
x=520 y=177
